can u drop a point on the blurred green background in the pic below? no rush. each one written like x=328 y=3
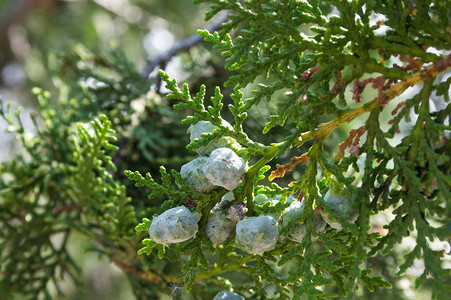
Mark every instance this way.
x=37 y=36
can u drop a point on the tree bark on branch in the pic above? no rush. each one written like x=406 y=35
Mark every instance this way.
x=182 y=45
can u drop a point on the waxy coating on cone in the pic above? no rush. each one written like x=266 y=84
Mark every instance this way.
x=342 y=203
x=195 y=175
x=225 y=295
x=225 y=168
x=175 y=225
x=292 y=212
x=218 y=228
x=257 y=234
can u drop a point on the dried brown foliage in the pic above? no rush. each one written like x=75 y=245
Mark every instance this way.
x=309 y=73
x=352 y=141
x=281 y=169
x=413 y=64
x=337 y=84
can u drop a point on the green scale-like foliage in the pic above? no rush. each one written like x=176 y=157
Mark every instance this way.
x=66 y=178
x=315 y=52
x=318 y=65
x=60 y=194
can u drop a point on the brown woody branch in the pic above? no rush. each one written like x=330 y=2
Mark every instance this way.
x=183 y=45
x=153 y=278
x=324 y=129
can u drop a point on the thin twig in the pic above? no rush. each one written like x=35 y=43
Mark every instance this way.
x=180 y=46
x=323 y=130
x=153 y=277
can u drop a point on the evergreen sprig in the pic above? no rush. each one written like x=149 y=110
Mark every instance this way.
x=314 y=68
x=71 y=191
x=321 y=68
